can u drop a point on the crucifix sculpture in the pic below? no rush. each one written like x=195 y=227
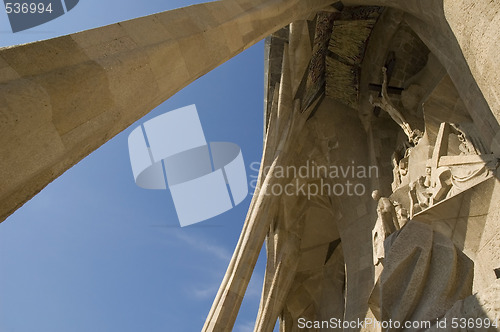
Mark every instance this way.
x=384 y=103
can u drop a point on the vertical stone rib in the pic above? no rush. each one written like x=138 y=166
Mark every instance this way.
x=287 y=255
x=261 y=213
x=281 y=110
x=285 y=103
x=300 y=52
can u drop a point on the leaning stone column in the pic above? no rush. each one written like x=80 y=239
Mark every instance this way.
x=282 y=137
x=60 y=99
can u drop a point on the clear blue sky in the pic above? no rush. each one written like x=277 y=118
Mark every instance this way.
x=94 y=252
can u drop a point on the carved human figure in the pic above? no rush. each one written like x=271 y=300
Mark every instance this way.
x=416 y=136
x=428 y=175
x=387 y=223
x=420 y=195
x=403 y=166
x=395 y=172
x=401 y=213
x=384 y=103
x=400 y=167
x=466 y=147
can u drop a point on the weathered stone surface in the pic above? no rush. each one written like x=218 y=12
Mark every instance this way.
x=424 y=275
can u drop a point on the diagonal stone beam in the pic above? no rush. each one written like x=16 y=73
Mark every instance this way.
x=60 y=99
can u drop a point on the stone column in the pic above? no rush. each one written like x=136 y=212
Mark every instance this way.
x=285 y=128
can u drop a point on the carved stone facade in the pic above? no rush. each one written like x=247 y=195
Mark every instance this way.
x=402 y=96
x=418 y=252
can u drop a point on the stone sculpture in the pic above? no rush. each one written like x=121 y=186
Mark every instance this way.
x=387 y=223
x=384 y=103
x=423 y=275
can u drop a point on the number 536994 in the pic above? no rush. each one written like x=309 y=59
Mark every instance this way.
x=27 y=8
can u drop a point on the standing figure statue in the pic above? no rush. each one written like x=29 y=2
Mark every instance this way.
x=387 y=223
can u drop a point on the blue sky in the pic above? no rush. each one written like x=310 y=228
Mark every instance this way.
x=94 y=252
